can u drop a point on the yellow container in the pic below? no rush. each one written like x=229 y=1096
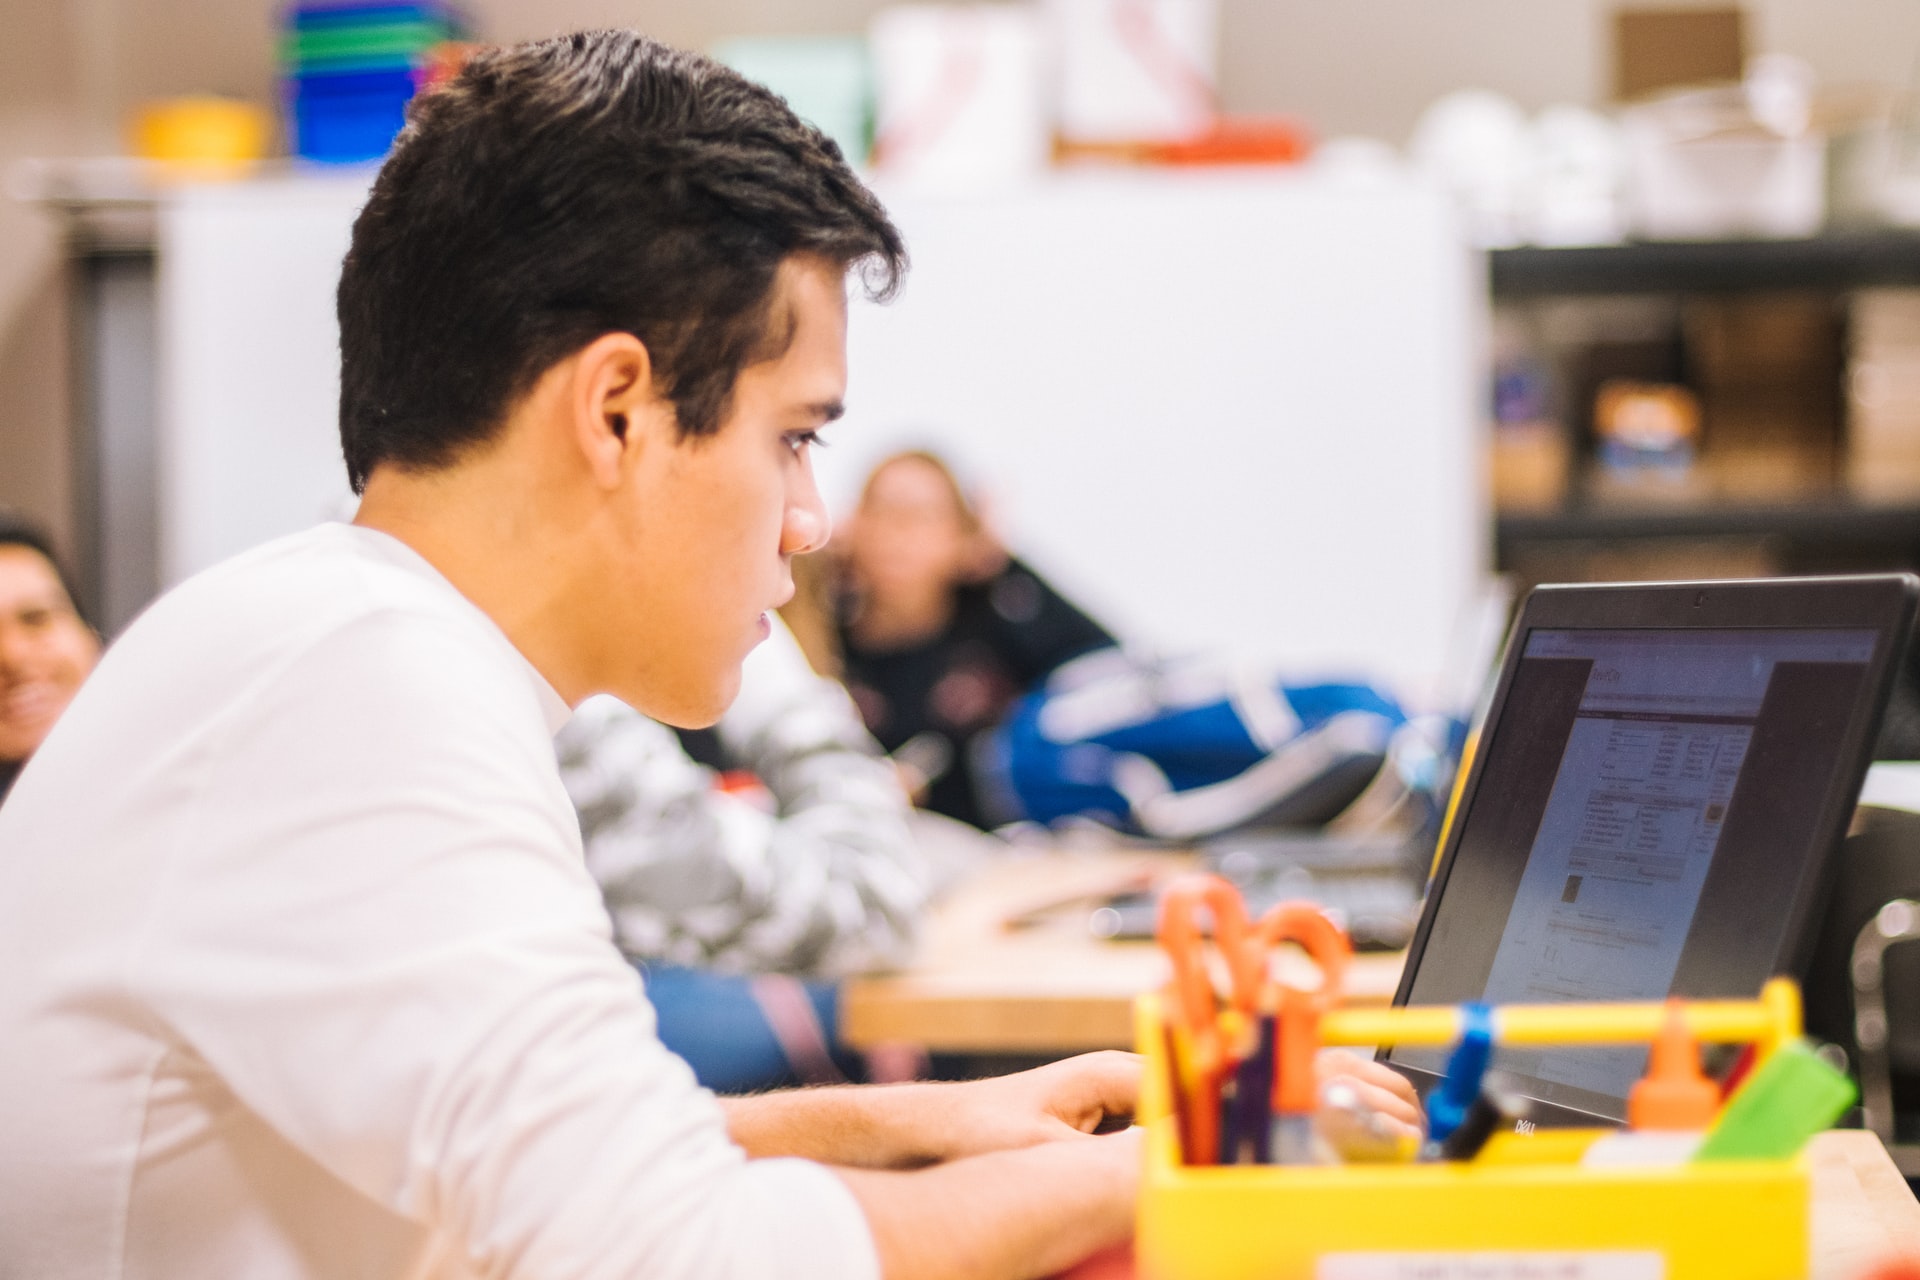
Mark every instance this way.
x=202 y=135
x=1525 y=1207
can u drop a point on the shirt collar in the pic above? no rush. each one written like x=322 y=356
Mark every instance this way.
x=553 y=707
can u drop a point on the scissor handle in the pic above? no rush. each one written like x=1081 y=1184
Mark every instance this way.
x=1180 y=937
x=1324 y=941
x=1298 y=1033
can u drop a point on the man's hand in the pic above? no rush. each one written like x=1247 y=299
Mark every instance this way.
x=908 y=1125
x=1063 y=1100
x=1375 y=1087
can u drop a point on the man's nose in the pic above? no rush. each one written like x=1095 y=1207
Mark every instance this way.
x=807 y=524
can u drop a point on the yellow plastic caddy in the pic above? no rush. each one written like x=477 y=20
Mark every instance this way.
x=1525 y=1209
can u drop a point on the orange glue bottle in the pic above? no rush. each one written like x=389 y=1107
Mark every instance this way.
x=1669 y=1108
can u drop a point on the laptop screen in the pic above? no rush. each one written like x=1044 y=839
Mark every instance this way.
x=1641 y=827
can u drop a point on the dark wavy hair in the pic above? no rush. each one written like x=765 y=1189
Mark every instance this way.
x=15 y=532
x=558 y=191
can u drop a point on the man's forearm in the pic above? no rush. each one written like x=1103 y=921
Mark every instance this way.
x=1019 y=1186
x=1008 y=1215
x=908 y=1125
x=861 y=1126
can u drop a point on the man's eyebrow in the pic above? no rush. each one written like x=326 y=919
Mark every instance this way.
x=828 y=411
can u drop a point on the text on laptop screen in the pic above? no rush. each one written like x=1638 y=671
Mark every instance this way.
x=1639 y=774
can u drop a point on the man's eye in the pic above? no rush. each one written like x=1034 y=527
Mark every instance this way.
x=800 y=441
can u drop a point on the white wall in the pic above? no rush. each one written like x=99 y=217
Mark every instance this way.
x=1229 y=412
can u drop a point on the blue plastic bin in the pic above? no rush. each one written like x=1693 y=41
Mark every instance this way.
x=345 y=119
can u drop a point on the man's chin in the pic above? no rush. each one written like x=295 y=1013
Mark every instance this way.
x=692 y=708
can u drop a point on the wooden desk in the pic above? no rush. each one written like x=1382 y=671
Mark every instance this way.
x=978 y=986
x=1863 y=1214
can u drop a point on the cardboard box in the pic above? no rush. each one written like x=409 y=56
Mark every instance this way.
x=1655 y=49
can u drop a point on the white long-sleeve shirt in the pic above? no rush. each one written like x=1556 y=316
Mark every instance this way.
x=301 y=974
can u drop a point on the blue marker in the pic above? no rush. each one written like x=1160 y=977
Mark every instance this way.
x=1448 y=1104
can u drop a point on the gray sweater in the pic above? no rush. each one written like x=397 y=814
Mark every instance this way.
x=816 y=876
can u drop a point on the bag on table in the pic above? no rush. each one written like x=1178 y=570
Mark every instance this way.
x=1187 y=750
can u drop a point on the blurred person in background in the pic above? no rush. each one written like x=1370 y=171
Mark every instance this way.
x=941 y=630
x=748 y=866
x=46 y=648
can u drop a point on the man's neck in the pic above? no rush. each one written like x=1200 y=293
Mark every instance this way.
x=486 y=540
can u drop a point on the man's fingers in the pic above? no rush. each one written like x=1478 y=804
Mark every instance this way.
x=1386 y=1102
x=1340 y=1062
x=1378 y=1085
x=1094 y=1085
x=1385 y=1077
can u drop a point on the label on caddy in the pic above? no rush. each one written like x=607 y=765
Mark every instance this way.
x=1495 y=1265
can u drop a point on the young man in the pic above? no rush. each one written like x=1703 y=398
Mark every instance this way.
x=301 y=974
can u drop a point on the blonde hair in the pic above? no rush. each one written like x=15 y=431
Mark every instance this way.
x=963 y=506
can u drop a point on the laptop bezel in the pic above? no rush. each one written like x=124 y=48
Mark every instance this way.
x=1883 y=602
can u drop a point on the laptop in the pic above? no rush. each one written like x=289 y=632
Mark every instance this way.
x=1662 y=778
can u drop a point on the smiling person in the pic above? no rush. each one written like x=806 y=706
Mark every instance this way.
x=46 y=649
x=301 y=971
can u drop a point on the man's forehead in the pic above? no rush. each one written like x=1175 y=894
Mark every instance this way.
x=817 y=284
x=810 y=306
x=807 y=311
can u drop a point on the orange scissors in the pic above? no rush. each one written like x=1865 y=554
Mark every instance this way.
x=1201 y=1045
x=1297 y=1013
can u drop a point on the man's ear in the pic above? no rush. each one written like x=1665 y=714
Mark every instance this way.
x=612 y=403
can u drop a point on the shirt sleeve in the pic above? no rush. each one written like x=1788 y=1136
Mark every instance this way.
x=826 y=885
x=379 y=936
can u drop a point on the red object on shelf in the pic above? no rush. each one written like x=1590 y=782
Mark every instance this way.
x=444 y=61
x=1238 y=140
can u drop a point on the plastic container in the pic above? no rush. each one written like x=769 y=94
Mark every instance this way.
x=345 y=119
x=1721 y=186
x=1524 y=1207
x=350 y=70
x=203 y=133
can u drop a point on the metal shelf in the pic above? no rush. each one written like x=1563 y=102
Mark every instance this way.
x=1837 y=261
x=1832 y=520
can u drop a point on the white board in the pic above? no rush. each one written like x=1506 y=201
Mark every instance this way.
x=1229 y=412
